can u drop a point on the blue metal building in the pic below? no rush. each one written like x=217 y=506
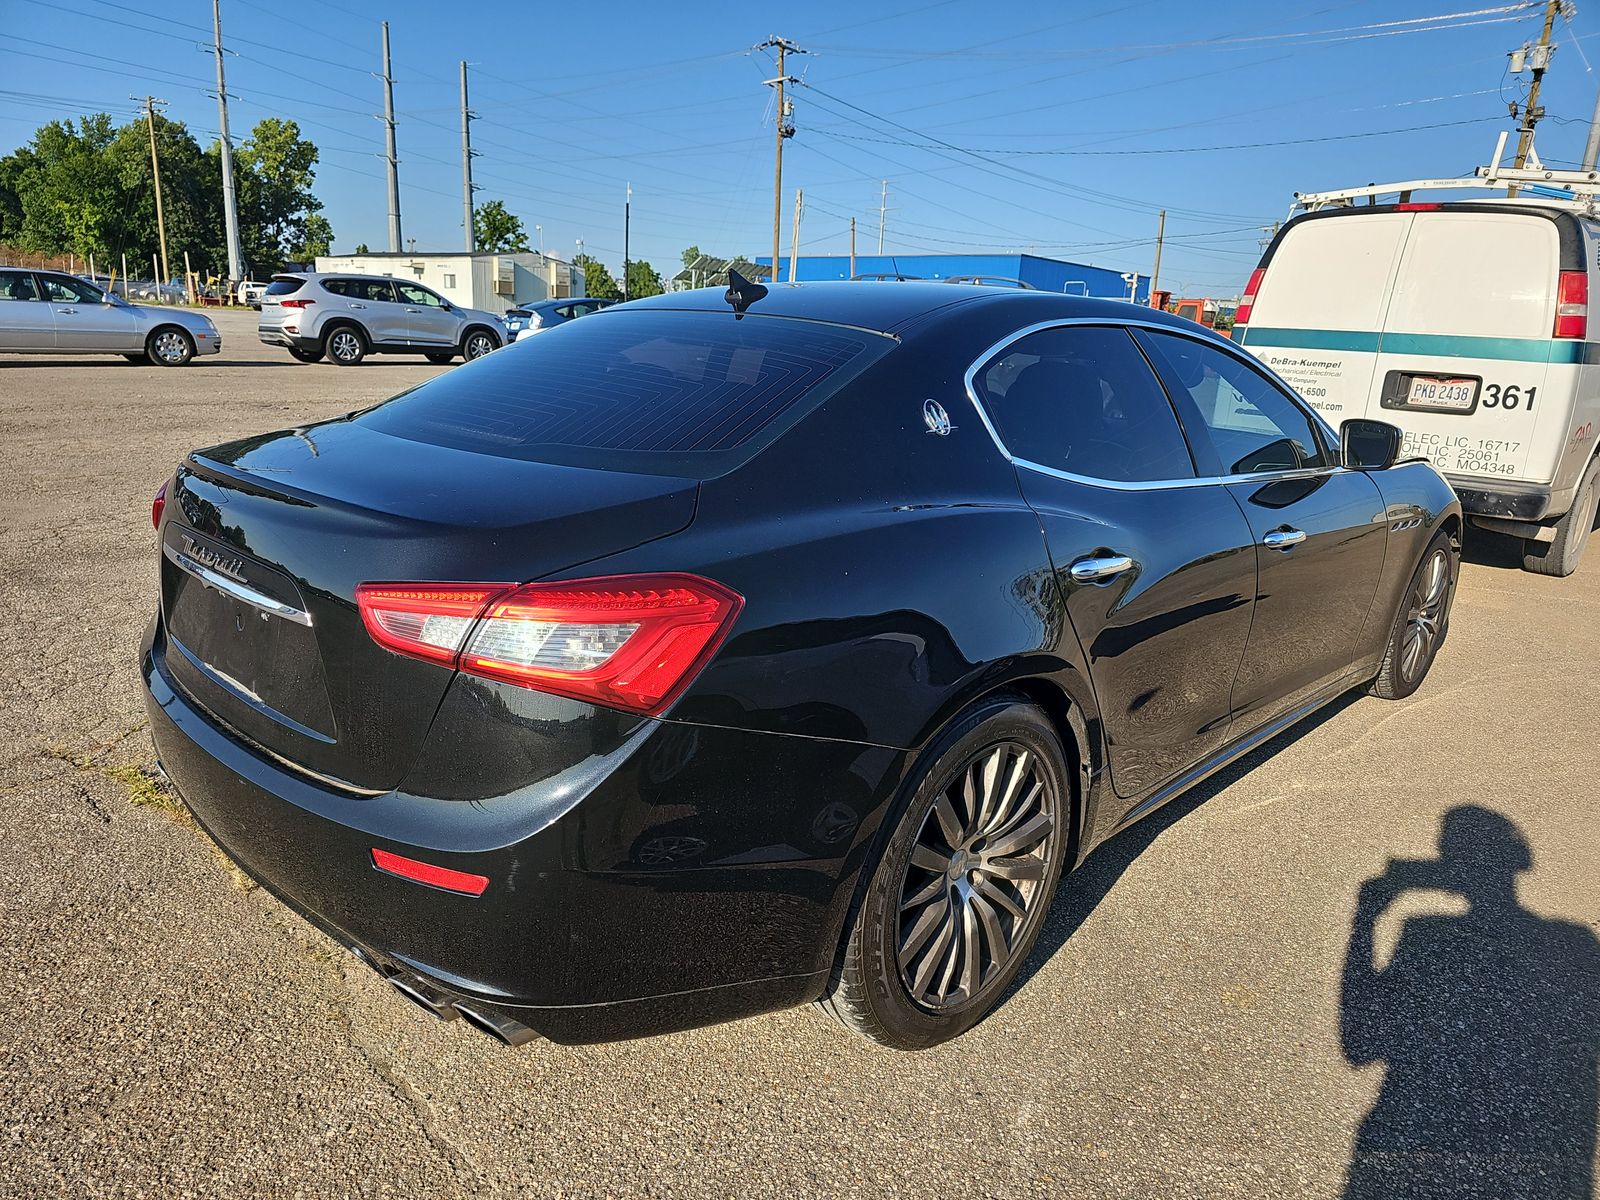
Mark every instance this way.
x=1046 y=274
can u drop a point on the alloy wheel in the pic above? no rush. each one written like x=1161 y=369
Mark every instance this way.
x=170 y=347
x=478 y=345
x=977 y=868
x=1425 y=617
x=344 y=345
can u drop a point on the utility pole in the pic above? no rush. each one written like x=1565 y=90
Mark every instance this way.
x=1591 y=150
x=883 y=207
x=784 y=129
x=627 y=221
x=852 y=247
x=794 y=242
x=394 y=163
x=466 y=160
x=150 y=103
x=1155 y=274
x=230 y=197
x=1537 y=57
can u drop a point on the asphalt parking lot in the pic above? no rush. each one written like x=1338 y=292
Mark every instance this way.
x=1187 y=1027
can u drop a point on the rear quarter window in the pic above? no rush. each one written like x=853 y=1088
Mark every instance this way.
x=660 y=392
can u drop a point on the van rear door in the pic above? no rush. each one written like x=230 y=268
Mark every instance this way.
x=1466 y=357
x=1319 y=307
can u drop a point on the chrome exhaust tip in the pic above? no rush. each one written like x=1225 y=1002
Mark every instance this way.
x=503 y=1029
x=423 y=997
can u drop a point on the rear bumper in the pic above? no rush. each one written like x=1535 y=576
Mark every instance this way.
x=660 y=897
x=294 y=341
x=1507 y=499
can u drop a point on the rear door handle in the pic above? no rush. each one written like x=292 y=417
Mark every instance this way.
x=1100 y=570
x=1284 y=539
x=354 y=305
x=416 y=310
x=66 y=310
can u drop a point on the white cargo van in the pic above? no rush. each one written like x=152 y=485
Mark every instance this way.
x=1466 y=324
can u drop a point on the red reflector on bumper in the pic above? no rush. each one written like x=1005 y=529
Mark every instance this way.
x=420 y=872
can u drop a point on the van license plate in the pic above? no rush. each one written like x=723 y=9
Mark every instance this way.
x=1428 y=391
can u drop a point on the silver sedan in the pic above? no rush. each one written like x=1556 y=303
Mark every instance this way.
x=51 y=312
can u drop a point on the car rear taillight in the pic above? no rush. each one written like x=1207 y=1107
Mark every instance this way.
x=296 y=303
x=1248 y=300
x=1572 y=305
x=424 y=620
x=632 y=642
x=158 y=506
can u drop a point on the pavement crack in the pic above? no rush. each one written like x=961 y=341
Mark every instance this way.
x=461 y=1163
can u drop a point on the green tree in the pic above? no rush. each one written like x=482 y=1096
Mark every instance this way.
x=597 y=281
x=274 y=170
x=643 y=280
x=497 y=231
x=361 y=248
x=316 y=239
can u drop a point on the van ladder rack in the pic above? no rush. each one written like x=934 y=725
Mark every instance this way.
x=1584 y=186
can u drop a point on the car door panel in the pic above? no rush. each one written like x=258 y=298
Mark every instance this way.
x=428 y=322
x=1314 y=596
x=87 y=323
x=27 y=322
x=1319 y=531
x=1155 y=566
x=1163 y=640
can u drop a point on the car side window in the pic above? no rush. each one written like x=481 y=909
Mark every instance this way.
x=410 y=293
x=60 y=290
x=564 y=311
x=17 y=285
x=1251 y=423
x=377 y=290
x=1082 y=399
x=339 y=287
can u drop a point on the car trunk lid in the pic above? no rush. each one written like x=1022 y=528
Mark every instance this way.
x=265 y=540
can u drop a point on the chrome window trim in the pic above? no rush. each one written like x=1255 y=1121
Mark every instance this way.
x=230 y=587
x=969 y=380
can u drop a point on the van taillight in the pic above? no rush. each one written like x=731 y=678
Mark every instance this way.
x=1572 y=305
x=1242 y=316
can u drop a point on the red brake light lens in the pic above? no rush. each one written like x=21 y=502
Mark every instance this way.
x=633 y=642
x=1248 y=300
x=158 y=506
x=1410 y=206
x=296 y=303
x=1572 y=305
x=420 y=872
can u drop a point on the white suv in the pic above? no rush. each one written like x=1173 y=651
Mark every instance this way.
x=347 y=317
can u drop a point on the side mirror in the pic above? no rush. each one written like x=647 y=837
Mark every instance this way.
x=1369 y=445
x=446 y=305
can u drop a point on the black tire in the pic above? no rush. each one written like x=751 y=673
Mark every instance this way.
x=305 y=356
x=1421 y=622
x=345 y=345
x=1561 y=556
x=440 y=357
x=169 y=346
x=138 y=360
x=477 y=342
x=986 y=900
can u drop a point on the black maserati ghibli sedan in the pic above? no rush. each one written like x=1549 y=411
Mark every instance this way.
x=728 y=651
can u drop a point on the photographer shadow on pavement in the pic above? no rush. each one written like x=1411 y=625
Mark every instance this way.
x=1488 y=1023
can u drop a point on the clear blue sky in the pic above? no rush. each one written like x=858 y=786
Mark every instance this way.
x=963 y=106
